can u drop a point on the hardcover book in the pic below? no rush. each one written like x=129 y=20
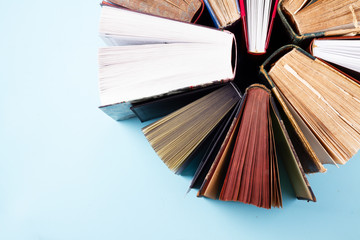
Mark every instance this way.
x=231 y=142
x=307 y=19
x=141 y=65
x=257 y=18
x=313 y=95
x=186 y=11
x=340 y=51
x=223 y=12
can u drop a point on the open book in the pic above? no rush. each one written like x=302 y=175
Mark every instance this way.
x=306 y=19
x=153 y=56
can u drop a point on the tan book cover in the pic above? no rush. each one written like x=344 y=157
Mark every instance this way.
x=182 y=10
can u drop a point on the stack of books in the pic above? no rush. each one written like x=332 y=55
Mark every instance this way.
x=303 y=107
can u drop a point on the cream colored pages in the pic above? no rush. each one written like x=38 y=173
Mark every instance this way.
x=316 y=146
x=327 y=15
x=326 y=100
x=128 y=73
x=177 y=135
x=173 y=9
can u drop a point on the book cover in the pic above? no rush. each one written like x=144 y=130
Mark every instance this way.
x=223 y=13
x=343 y=55
x=287 y=10
x=322 y=111
x=186 y=11
x=198 y=56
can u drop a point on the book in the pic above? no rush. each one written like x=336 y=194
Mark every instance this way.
x=247 y=168
x=120 y=26
x=186 y=11
x=342 y=51
x=257 y=18
x=152 y=57
x=314 y=94
x=223 y=12
x=164 y=105
x=178 y=134
x=303 y=22
x=215 y=128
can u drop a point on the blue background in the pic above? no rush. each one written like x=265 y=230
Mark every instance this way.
x=68 y=171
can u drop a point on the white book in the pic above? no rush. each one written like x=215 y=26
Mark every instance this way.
x=120 y=26
x=343 y=52
x=152 y=56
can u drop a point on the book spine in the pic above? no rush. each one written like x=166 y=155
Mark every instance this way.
x=212 y=14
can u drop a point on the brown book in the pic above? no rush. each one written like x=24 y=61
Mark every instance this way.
x=315 y=94
x=307 y=19
x=223 y=12
x=181 y=10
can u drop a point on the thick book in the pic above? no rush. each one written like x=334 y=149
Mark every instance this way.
x=258 y=18
x=223 y=12
x=119 y=26
x=307 y=19
x=343 y=52
x=313 y=95
x=142 y=65
x=215 y=128
x=186 y=11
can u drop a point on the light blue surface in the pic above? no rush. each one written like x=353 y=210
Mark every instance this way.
x=68 y=171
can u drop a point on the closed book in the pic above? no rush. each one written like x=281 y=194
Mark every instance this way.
x=341 y=52
x=257 y=22
x=308 y=19
x=223 y=12
x=313 y=99
x=186 y=11
x=228 y=178
x=140 y=65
